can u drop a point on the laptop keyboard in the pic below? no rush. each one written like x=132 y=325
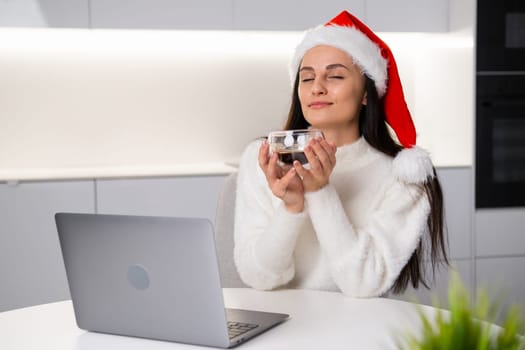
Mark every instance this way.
x=237 y=328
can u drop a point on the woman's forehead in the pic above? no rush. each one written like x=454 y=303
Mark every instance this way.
x=325 y=55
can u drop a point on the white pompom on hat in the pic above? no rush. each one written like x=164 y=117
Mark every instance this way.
x=375 y=59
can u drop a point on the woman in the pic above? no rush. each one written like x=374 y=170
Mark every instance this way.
x=358 y=219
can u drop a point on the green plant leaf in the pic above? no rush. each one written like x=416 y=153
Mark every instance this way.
x=467 y=325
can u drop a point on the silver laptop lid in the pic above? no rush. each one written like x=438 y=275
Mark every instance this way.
x=151 y=277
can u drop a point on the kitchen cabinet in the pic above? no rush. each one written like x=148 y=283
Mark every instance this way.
x=503 y=278
x=456 y=184
x=162 y=14
x=45 y=13
x=172 y=196
x=290 y=14
x=296 y=15
x=407 y=15
x=500 y=232
x=500 y=254
x=31 y=267
x=439 y=286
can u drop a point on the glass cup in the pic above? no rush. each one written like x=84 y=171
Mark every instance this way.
x=289 y=144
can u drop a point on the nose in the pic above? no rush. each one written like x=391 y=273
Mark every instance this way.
x=318 y=87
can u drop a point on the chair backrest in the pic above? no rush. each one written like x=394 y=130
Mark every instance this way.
x=224 y=223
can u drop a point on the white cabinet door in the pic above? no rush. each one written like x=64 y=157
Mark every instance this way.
x=439 y=287
x=44 y=13
x=31 y=267
x=459 y=203
x=457 y=185
x=407 y=15
x=290 y=14
x=176 y=196
x=500 y=232
x=162 y=14
x=503 y=278
x=380 y=15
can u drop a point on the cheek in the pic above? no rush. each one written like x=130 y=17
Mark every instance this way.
x=302 y=99
x=300 y=92
x=350 y=102
x=352 y=95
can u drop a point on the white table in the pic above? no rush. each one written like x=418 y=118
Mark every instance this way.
x=318 y=320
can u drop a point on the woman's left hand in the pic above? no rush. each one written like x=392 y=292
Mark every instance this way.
x=321 y=157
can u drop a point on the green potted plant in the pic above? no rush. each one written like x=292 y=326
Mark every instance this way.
x=467 y=325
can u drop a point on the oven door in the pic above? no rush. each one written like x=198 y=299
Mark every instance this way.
x=500 y=141
x=501 y=35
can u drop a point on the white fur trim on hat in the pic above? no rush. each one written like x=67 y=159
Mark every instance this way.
x=413 y=165
x=365 y=53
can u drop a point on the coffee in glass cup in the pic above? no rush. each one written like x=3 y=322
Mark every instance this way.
x=289 y=144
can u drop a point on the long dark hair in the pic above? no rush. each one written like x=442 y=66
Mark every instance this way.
x=373 y=128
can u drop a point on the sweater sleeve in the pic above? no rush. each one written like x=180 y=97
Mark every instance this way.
x=366 y=261
x=265 y=233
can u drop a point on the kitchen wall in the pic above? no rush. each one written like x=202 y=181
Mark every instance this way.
x=73 y=99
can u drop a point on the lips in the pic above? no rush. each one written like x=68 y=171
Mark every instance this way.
x=319 y=104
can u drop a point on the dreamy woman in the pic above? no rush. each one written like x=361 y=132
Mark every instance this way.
x=358 y=219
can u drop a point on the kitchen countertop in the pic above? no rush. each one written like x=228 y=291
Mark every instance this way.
x=75 y=173
x=108 y=172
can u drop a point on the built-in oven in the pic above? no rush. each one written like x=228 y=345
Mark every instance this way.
x=501 y=35
x=500 y=104
x=500 y=141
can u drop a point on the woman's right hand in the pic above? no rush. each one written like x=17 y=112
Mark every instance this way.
x=283 y=182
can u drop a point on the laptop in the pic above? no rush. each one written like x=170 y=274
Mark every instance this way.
x=151 y=277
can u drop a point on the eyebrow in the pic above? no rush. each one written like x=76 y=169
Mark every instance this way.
x=329 y=67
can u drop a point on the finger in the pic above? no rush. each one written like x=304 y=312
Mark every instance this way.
x=263 y=154
x=280 y=187
x=288 y=177
x=273 y=170
x=313 y=160
x=330 y=150
x=322 y=155
x=301 y=171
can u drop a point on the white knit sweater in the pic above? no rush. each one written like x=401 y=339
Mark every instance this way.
x=354 y=235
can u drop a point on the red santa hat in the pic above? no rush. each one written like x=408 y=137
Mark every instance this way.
x=375 y=59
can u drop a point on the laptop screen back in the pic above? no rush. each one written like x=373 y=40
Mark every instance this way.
x=149 y=277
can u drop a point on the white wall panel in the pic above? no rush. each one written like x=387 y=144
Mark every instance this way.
x=290 y=14
x=66 y=13
x=500 y=232
x=21 y=14
x=179 y=196
x=44 y=13
x=162 y=14
x=407 y=15
x=457 y=185
x=503 y=280
x=462 y=16
x=31 y=267
x=439 y=286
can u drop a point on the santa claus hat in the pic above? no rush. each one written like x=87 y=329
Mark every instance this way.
x=375 y=59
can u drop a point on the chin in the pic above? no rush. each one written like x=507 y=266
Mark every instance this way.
x=320 y=123
x=317 y=121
